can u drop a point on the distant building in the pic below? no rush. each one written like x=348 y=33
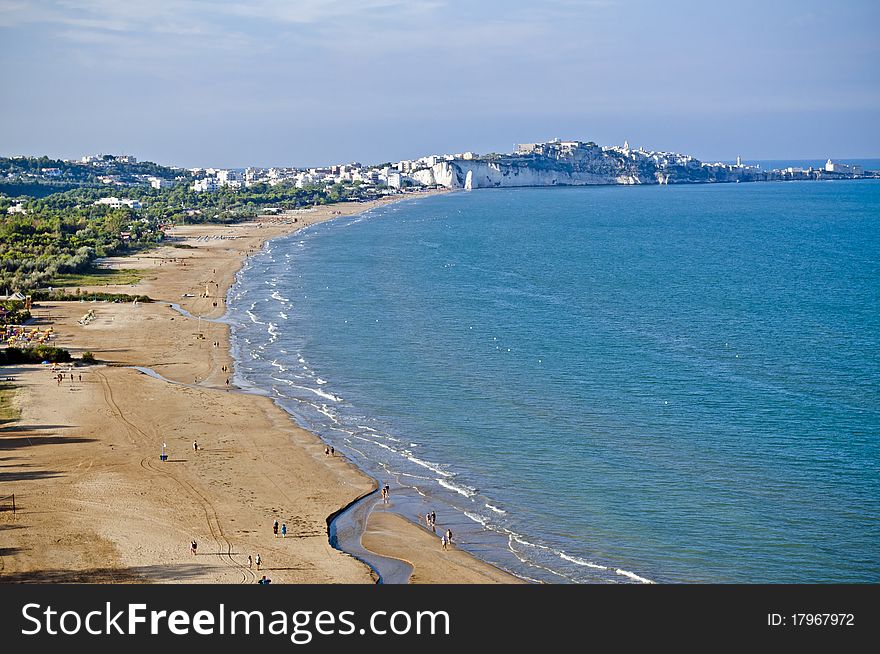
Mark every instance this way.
x=116 y=203
x=159 y=183
x=395 y=180
x=843 y=169
x=104 y=158
x=209 y=184
x=225 y=176
x=17 y=208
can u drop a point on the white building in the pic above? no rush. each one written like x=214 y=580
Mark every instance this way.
x=116 y=203
x=226 y=176
x=158 y=182
x=844 y=169
x=395 y=180
x=209 y=184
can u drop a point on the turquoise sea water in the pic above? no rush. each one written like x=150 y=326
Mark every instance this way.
x=679 y=384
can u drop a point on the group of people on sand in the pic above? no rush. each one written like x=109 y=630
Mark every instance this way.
x=252 y=561
x=60 y=377
x=431 y=523
x=329 y=450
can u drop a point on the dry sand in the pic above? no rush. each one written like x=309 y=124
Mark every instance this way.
x=95 y=503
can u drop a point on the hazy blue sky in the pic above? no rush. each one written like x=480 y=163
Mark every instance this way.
x=298 y=82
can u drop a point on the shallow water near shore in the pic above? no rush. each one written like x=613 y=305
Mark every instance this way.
x=607 y=384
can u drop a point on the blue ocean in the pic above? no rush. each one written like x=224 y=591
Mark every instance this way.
x=602 y=384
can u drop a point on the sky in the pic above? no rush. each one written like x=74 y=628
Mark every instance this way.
x=309 y=82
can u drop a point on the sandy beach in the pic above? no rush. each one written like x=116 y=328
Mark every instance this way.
x=94 y=502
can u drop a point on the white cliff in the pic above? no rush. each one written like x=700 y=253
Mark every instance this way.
x=566 y=164
x=574 y=163
x=491 y=174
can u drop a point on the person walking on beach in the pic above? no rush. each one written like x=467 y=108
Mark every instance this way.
x=275 y=528
x=195 y=446
x=428 y=520
x=433 y=519
x=443 y=542
x=284 y=530
x=258 y=561
x=449 y=536
x=193 y=546
x=250 y=561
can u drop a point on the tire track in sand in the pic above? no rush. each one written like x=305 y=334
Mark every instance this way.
x=225 y=549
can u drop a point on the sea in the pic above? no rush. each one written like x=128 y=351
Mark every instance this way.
x=608 y=384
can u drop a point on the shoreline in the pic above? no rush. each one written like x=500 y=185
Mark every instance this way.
x=387 y=545
x=101 y=480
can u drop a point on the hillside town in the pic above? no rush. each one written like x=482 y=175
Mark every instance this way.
x=584 y=162
x=396 y=177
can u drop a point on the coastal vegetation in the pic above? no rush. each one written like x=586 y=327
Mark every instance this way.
x=13 y=312
x=52 y=230
x=15 y=356
x=64 y=233
x=62 y=295
x=100 y=277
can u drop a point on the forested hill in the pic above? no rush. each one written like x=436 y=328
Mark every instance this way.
x=41 y=176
